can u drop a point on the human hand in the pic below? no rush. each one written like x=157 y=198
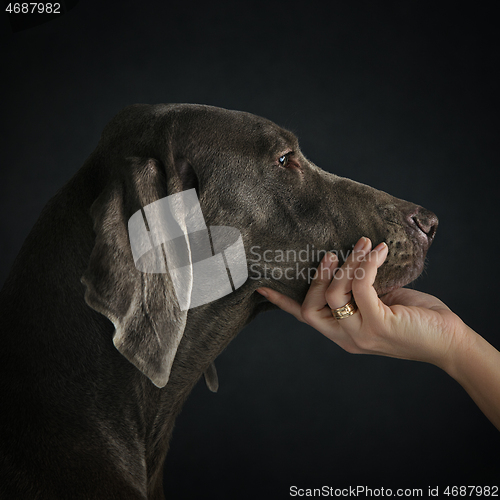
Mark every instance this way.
x=404 y=323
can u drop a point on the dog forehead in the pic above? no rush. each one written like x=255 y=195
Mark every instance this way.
x=232 y=128
x=195 y=129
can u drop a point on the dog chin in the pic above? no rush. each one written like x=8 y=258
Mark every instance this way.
x=385 y=290
x=389 y=284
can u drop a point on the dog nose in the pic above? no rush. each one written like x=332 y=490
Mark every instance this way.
x=426 y=221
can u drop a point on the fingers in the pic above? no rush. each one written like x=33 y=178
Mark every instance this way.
x=339 y=291
x=334 y=292
x=315 y=300
x=357 y=275
x=362 y=286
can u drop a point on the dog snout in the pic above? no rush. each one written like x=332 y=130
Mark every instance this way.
x=424 y=222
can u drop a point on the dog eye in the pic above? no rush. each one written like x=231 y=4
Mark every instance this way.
x=283 y=160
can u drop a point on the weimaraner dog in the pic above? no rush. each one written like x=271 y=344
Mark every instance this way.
x=79 y=420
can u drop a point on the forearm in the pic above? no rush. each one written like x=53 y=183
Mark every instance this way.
x=475 y=365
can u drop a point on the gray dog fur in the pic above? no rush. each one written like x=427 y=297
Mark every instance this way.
x=79 y=420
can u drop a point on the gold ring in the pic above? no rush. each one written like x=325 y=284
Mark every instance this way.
x=345 y=311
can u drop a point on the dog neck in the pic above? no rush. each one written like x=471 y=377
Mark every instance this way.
x=208 y=331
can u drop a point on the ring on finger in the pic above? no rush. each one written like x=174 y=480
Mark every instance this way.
x=345 y=311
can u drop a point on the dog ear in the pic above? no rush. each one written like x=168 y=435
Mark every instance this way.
x=141 y=304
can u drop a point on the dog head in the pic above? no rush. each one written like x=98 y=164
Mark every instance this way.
x=252 y=175
x=248 y=174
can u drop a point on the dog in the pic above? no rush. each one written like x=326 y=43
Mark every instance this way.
x=97 y=357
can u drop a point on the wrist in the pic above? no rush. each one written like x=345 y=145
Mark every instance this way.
x=463 y=344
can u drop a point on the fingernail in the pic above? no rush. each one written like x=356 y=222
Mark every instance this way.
x=332 y=257
x=359 y=245
x=328 y=260
x=262 y=291
x=380 y=247
x=362 y=244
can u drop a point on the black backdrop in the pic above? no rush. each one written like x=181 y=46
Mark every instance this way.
x=398 y=95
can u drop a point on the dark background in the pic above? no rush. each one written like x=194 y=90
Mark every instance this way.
x=398 y=95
